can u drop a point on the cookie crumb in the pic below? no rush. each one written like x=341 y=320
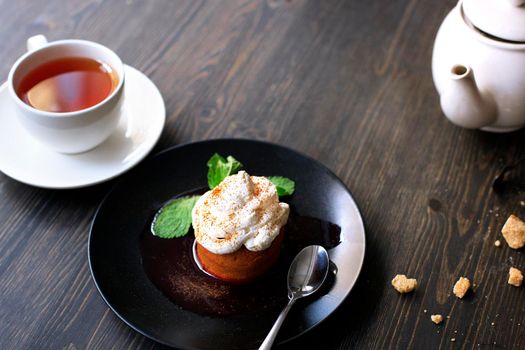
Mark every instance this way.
x=452 y=339
x=515 y=277
x=403 y=284
x=497 y=243
x=425 y=311
x=492 y=324
x=522 y=203
x=437 y=319
x=461 y=287
x=514 y=232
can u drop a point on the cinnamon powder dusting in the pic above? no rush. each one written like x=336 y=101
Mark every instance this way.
x=256 y=189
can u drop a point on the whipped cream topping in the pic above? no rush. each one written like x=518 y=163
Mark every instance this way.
x=241 y=210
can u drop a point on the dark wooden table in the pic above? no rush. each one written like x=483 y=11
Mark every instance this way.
x=346 y=82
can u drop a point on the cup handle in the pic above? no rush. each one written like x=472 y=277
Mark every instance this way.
x=36 y=42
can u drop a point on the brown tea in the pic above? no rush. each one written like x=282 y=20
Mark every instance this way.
x=67 y=84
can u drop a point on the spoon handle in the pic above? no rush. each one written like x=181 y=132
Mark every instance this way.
x=268 y=341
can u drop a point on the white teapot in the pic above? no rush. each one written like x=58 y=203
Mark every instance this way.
x=478 y=64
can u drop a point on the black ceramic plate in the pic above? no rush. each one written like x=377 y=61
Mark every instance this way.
x=115 y=238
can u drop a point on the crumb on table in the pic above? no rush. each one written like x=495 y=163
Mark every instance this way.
x=437 y=319
x=461 y=287
x=497 y=243
x=403 y=284
x=514 y=232
x=515 y=277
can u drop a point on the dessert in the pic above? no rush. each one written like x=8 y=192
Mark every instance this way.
x=515 y=277
x=437 y=319
x=403 y=284
x=514 y=232
x=461 y=287
x=238 y=227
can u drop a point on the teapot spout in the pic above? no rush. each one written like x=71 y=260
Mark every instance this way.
x=464 y=104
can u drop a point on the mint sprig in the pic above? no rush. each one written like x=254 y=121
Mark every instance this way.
x=174 y=219
x=219 y=168
x=284 y=186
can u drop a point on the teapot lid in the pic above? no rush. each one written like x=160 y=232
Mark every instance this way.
x=504 y=19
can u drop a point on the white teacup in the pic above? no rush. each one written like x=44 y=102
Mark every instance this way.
x=67 y=132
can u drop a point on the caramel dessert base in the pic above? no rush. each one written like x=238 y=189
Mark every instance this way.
x=242 y=265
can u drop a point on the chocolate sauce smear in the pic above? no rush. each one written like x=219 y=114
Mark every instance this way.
x=170 y=265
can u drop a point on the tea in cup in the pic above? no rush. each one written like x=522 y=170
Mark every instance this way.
x=67 y=93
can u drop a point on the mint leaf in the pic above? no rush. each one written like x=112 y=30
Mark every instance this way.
x=219 y=168
x=285 y=186
x=174 y=219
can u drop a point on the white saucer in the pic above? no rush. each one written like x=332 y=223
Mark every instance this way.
x=24 y=159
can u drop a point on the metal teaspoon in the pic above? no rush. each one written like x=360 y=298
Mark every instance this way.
x=305 y=276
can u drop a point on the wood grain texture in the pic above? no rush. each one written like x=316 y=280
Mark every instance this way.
x=346 y=82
